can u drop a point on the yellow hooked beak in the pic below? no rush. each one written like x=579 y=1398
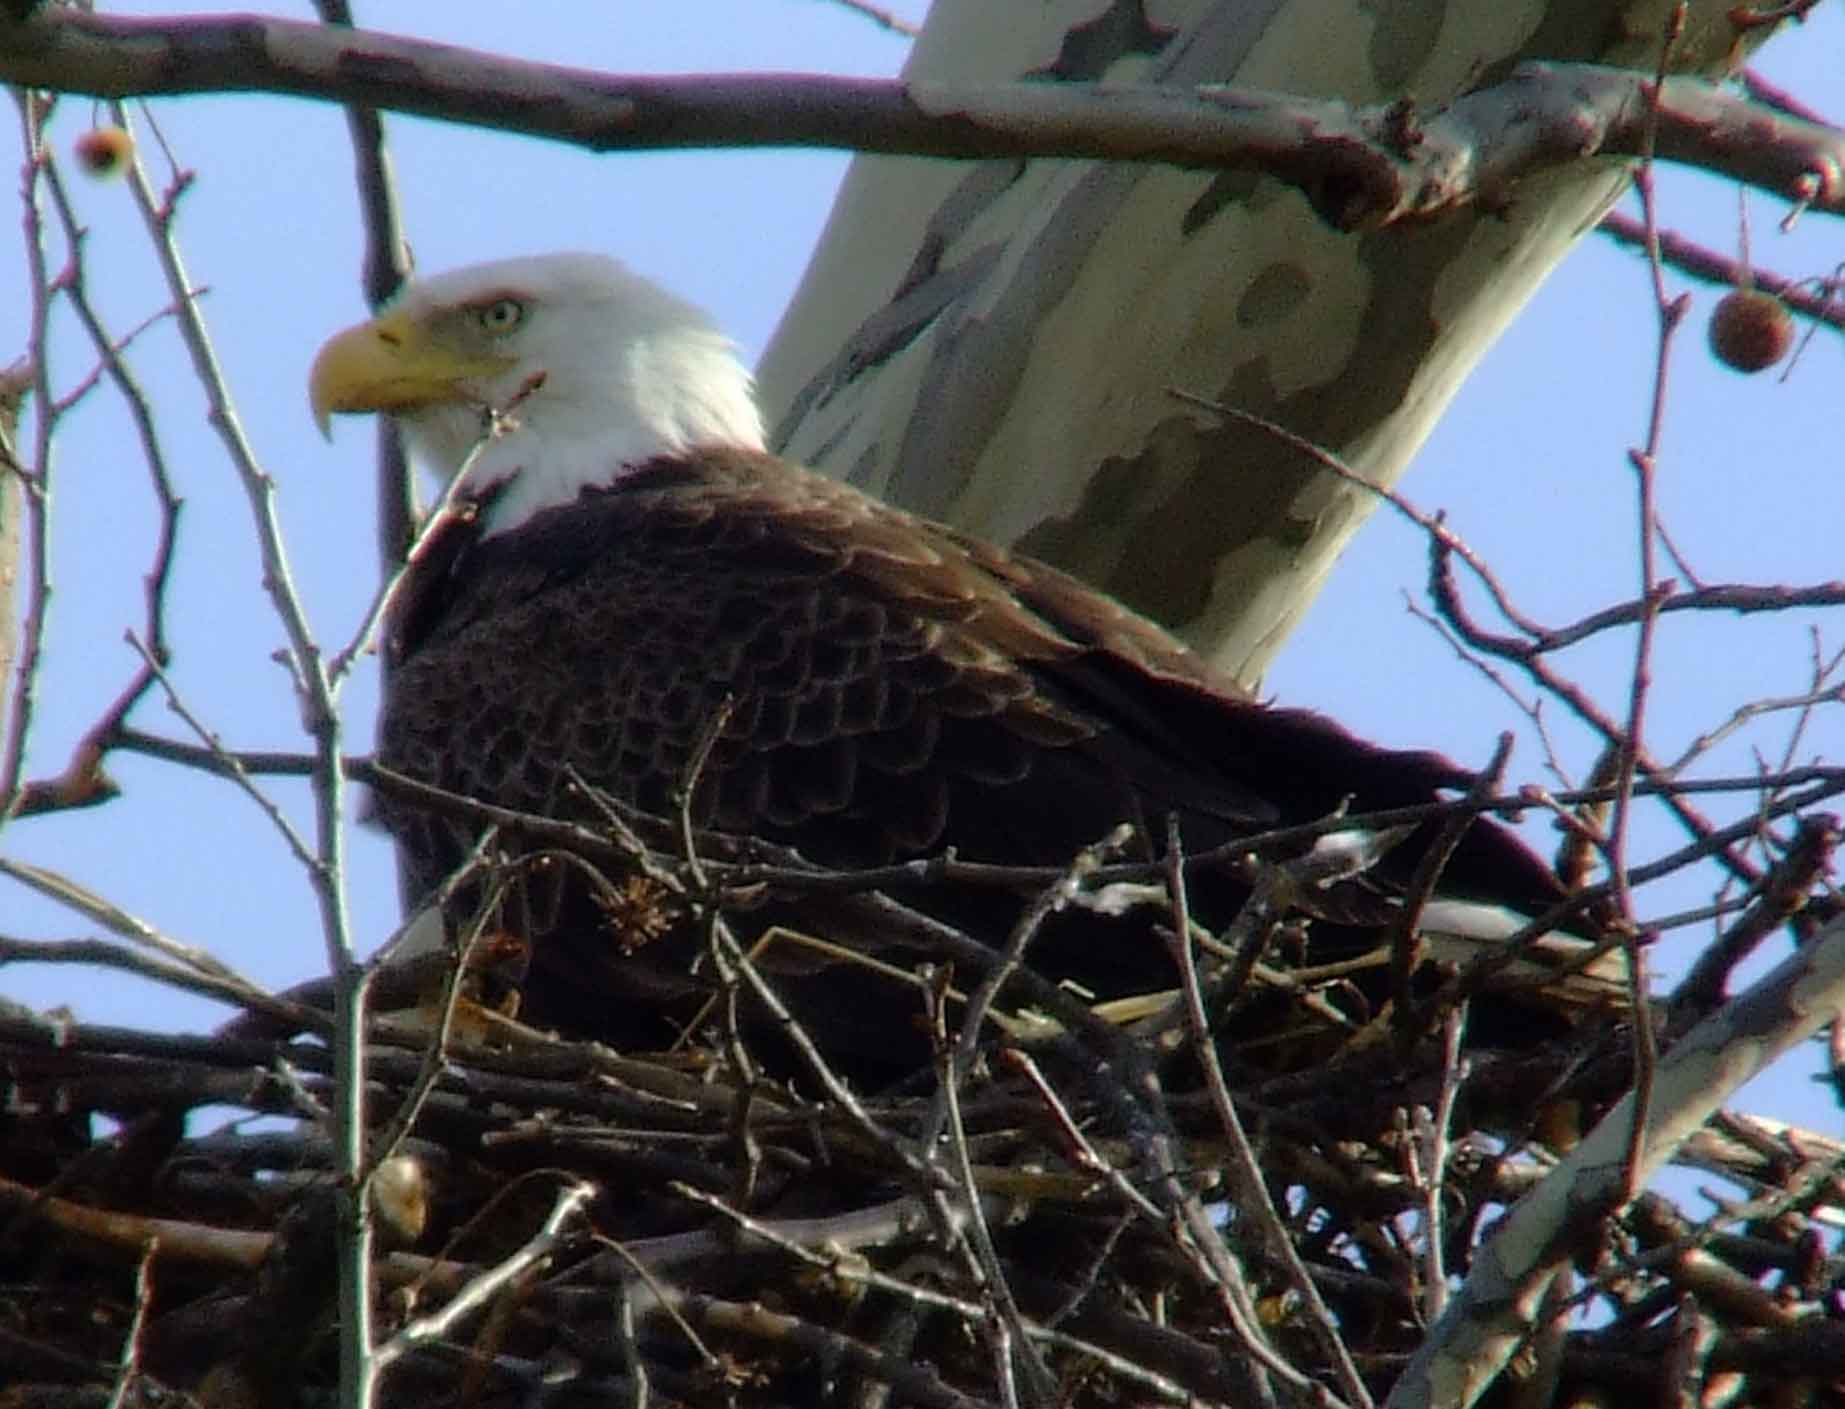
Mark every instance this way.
x=392 y=363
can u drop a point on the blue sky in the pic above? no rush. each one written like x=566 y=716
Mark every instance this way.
x=1530 y=462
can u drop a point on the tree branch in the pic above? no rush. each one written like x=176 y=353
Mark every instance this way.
x=1360 y=167
x=1497 y=1307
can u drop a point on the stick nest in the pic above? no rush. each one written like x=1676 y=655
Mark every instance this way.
x=1079 y=1207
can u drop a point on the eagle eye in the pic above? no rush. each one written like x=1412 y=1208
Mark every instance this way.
x=500 y=316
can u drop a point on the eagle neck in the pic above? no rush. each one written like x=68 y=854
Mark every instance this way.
x=675 y=388
x=517 y=485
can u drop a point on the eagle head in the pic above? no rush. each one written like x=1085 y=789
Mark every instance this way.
x=543 y=376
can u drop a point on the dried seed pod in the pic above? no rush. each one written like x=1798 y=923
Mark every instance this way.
x=1750 y=330
x=104 y=151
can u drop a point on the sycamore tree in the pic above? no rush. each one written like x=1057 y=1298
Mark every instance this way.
x=1170 y=294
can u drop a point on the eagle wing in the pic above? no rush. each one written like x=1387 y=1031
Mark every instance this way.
x=891 y=687
x=886 y=689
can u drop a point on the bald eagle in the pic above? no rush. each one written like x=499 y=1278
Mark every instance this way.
x=638 y=565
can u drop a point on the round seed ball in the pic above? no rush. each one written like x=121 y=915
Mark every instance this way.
x=1750 y=330
x=104 y=151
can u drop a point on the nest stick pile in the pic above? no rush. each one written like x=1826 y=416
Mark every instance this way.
x=1137 y=1202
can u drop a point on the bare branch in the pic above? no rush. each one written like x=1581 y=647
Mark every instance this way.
x=479 y=1292
x=1818 y=299
x=1246 y=1172
x=881 y=16
x=30 y=490
x=318 y=692
x=387 y=265
x=1361 y=169
x=1495 y=1309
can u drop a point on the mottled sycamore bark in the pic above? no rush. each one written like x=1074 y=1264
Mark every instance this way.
x=994 y=344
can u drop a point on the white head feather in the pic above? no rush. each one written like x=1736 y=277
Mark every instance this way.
x=596 y=368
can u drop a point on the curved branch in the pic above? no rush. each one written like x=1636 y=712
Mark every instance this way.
x=386 y=267
x=1360 y=167
x=1501 y=1301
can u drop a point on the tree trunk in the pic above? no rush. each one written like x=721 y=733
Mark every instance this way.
x=995 y=345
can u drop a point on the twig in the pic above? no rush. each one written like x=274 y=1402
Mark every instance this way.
x=829 y=1260
x=1645 y=462
x=35 y=488
x=444 y=515
x=65 y=891
x=1783 y=892
x=918 y=1384
x=1453 y=611
x=1005 y=1324
x=1060 y=893
x=386 y=267
x=1251 y=1189
x=1491 y=1317
x=1824 y=668
x=882 y=17
x=326 y=874
x=1454 y=1069
x=224 y=988
x=1404 y=937
x=1078 y=1148
x=1431 y=524
x=128 y=1364
x=453 y=511
x=176 y=1238
x=1742 y=598
x=435 y=1053
x=111 y=362
x=1816 y=299
x=793 y=874
x=1770 y=94
x=1444 y=545
x=296 y=844
x=1745 y=713
x=483 y=1288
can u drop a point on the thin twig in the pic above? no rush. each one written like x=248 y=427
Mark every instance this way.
x=297 y=845
x=435 y=1054
x=1251 y=1188
x=1812 y=298
x=386 y=268
x=36 y=486
x=1005 y=1325
x=452 y=511
x=1645 y=461
x=881 y=16
x=1434 y=1156
x=829 y=1259
x=482 y=1289
x=128 y=1364
x=320 y=707
x=237 y=992
x=1057 y=895
x=1404 y=937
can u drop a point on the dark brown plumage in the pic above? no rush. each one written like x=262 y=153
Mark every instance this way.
x=896 y=689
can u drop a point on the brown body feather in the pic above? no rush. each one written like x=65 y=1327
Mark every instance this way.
x=895 y=689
